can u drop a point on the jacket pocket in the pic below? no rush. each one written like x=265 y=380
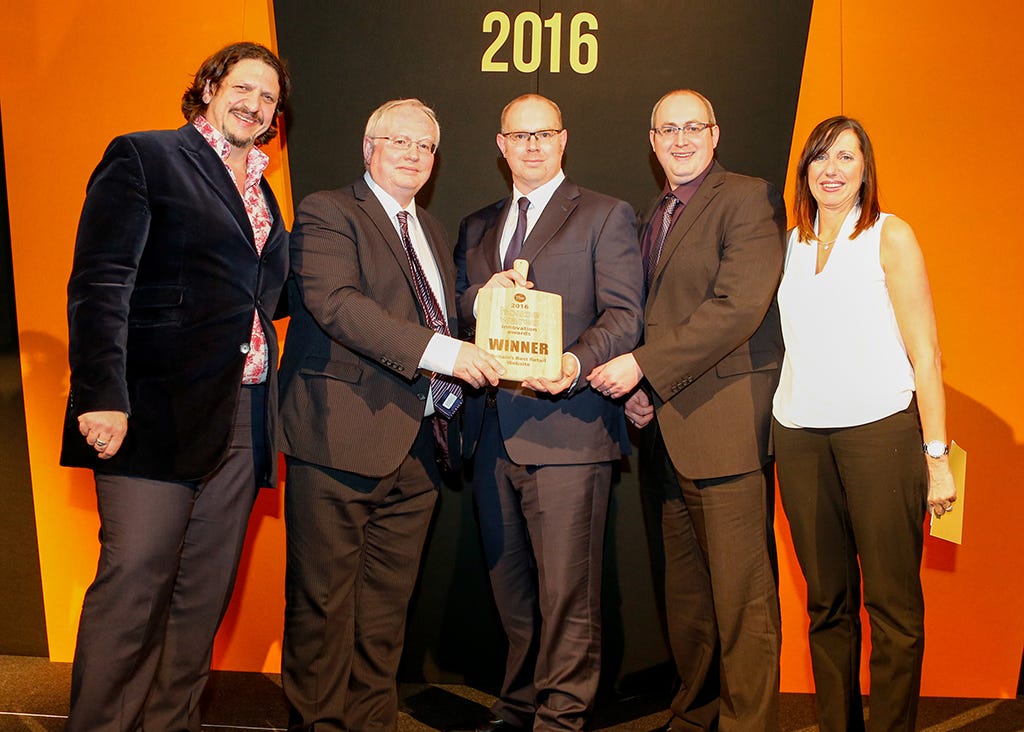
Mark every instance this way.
x=747 y=362
x=340 y=370
x=156 y=305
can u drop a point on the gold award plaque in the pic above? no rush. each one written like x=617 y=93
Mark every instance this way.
x=521 y=328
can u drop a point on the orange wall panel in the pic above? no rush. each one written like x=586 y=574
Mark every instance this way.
x=934 y=85
x=74 y=75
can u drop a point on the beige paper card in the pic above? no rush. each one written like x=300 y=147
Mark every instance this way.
x=951 y=526
x=521 y=328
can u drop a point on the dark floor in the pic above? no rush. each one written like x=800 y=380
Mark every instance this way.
x=34 y=697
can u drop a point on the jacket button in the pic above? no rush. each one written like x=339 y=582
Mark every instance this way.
x=244 y=348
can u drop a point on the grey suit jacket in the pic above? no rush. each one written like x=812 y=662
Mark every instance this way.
x=712 y=341
x=583 y=247
x=352 y=395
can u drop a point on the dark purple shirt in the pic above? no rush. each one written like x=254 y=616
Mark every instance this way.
x=684 y=192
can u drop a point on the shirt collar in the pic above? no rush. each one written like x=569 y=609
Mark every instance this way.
x=540 y=196
x=391 y=206
x=684 y=191
x=255 y=162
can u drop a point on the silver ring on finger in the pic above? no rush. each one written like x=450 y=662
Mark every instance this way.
x=100 y=444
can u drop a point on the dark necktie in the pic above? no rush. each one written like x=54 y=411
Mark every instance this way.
x=446 y=392
x=515 y=246
x=668 y=207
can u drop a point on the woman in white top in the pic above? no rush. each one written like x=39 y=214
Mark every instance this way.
x=860 y=436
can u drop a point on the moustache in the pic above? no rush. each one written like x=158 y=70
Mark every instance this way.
x=253 y=113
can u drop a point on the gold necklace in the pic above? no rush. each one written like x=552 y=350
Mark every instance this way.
x=826 y=245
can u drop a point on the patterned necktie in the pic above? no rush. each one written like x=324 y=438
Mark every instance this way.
x=515 y=246
x=668 y=207
x=446 y=392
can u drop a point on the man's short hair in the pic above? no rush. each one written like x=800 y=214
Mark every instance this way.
x=523 y=98
x=217 y=66
x=378 y=114
x=691 y=92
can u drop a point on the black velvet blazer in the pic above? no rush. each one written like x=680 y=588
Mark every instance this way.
x=160 y=306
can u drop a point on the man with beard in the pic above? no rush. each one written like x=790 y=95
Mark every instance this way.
x=179 y=262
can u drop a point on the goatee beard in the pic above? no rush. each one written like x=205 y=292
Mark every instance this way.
x=239 y=142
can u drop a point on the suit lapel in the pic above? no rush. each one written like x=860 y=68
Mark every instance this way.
x=373 y=208
x=211 y=169
x=442 y=259
x=446 y=268
x=490 y=243
x=559 y=208
x=691 y=213
x=276 y=237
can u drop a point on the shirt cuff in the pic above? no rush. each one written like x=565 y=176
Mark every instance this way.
x=440 y=354
x=579 y=371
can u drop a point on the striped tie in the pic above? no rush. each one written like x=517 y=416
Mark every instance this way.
x=668 y=206
x=445 y=391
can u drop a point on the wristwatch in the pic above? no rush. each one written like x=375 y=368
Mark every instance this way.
x=935 y=449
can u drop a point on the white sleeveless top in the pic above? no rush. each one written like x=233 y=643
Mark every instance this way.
x=845 y=361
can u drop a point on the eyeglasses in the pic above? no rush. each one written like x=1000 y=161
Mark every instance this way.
x=521 y=138
x=405 y=144
x=690 y=129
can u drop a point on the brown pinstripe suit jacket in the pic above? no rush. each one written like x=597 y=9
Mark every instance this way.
x=712 y=340
x=352 y=395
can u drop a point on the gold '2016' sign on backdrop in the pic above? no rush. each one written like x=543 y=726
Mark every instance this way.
x=528 y=55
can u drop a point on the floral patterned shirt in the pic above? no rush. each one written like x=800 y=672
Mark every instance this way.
x=256 y=360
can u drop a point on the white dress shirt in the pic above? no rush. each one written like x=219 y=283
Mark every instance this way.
x=442 y=350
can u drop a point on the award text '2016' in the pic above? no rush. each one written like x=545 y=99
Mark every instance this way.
x=527 y=36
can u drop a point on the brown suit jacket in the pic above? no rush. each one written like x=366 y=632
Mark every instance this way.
x=584 y=248
x=352 y=394
x=712 y=340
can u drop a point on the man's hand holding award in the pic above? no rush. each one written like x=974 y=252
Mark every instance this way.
x=522 y=328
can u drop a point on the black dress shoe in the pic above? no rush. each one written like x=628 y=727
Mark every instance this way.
x=494 y=724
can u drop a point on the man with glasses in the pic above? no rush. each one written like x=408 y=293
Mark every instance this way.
x=543 y=450
x=366 y=408
x=707 y=370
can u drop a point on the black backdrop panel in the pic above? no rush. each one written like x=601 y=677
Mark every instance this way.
x=347 y=58
x=22 y=620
